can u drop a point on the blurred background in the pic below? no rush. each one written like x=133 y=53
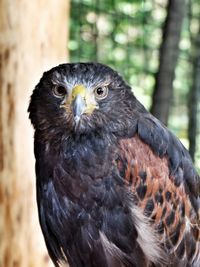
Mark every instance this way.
x=154 y=44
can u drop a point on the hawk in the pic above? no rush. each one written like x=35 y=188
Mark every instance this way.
x=115 y=188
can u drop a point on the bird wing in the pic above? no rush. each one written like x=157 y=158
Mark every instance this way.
x=54 y=249
x=165 y=185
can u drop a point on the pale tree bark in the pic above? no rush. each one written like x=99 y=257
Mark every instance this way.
x=33 y=38
x=169 y=51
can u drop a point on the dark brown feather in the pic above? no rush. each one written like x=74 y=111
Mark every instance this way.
x=167 y=204
x=102 y=177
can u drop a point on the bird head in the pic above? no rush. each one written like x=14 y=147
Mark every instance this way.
x=81 y=98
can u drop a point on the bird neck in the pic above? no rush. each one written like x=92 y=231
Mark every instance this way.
x=78 y=150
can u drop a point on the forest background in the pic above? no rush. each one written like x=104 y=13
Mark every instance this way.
x=154 y=44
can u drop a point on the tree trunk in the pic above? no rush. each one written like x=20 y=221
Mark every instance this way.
x=33 y=37
x=194 y=95
x=168 y=58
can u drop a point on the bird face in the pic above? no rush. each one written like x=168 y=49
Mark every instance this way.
x=80 y=98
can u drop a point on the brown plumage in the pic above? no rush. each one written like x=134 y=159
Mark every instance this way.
x=166 y=203
x=114 y=187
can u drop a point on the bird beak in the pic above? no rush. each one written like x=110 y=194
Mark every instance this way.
x=81 y=102
x=78 y=106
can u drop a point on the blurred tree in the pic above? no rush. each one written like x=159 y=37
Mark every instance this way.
x=33 y=38
x=127 y=35
x=121 y=33
x=169 y=51
x=194 y=94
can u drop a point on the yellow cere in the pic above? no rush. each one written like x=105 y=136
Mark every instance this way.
x=79 y=90
x=82 y=91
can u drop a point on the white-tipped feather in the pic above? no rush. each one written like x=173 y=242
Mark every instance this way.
x=111 y=248
x=63 y=263
x=147 y=237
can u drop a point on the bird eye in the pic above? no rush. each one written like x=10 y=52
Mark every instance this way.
x=59 y=90
x=101 y=92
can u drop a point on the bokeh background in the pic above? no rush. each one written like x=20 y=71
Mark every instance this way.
x=154 y=44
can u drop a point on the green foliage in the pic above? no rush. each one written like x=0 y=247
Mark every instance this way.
x=123 y=34
x=126 y=34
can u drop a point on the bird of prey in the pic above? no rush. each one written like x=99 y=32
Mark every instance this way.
x=115 y=188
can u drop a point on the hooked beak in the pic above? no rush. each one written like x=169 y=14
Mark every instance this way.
x=81 y=102
x=78 y=107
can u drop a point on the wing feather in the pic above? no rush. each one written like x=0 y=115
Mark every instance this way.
x=165 y=185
